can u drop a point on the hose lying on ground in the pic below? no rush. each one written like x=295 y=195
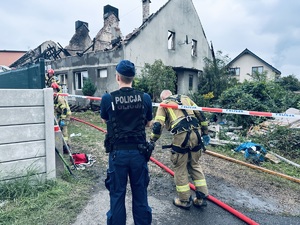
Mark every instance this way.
x=253 y=166
x=211 y=198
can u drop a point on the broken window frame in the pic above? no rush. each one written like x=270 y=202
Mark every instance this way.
x=194 y=48
x=80 y=78
x=63 y=80
x=171 y=40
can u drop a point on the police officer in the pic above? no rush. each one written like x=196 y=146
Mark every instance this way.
x=127 y=112
x=62 y=113
x=187 y=127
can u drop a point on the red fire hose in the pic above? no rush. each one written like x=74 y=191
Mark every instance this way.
x=211 y=198
x=92 y=125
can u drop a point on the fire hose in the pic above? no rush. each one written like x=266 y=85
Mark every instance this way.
x=210 y=198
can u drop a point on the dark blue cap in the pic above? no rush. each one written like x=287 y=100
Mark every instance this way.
x=126 y=68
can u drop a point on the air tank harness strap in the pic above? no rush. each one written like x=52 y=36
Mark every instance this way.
x=190 y=121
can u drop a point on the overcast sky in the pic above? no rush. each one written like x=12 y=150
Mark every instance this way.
x=268 y=28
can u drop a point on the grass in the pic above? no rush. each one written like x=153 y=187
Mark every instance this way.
x=56 y=202
x=281 y=167
x=60 y=201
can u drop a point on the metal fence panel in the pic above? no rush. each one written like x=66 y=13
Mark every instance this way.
x=29 y=77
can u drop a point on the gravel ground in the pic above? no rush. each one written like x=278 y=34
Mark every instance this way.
x=240 y=186
x=247 y=190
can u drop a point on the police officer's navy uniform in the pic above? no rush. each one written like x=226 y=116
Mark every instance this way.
x=127 y=112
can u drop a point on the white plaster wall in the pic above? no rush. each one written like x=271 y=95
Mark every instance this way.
x=151 y=43
x=246 y=62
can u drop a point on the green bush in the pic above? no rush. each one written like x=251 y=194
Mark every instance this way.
x=89 y=88
x=257 y=96
x=283 y=140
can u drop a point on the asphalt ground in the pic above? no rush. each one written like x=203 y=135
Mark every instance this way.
x=165 y=213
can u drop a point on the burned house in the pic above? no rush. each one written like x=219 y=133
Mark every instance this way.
x=173 y=34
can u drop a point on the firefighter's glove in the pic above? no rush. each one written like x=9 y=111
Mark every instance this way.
x=62 y=123
x=206 y=139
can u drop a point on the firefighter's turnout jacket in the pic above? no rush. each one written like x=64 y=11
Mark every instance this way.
x=187 y=126
x=49 y=81
x=180 y=123
x=62 y=112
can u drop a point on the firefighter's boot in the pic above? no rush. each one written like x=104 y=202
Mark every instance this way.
x=200 y=200
x=183 y=204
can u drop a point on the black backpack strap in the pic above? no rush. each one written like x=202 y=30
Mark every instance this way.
x=188 y=119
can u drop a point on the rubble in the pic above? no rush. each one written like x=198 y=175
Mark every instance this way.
x=269 y=125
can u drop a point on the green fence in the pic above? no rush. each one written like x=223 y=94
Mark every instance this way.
x=29 y=77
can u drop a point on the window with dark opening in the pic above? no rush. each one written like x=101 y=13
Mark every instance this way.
x=194 y=48
x=63 y=81
x=191 y=77
x=80 y=78
x=171 y=40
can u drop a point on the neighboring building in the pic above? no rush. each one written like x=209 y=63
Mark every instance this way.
x=178 y=40
x=7 y=57
x=248 y=63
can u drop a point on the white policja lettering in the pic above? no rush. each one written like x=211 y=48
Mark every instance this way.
x=128 y=99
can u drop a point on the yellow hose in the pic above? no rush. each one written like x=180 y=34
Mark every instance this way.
x=253 y=166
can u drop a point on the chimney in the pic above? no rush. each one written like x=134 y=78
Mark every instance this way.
x=108 y=10
x=146 y=9
x=79 y=23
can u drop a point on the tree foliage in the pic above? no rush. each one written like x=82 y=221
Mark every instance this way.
x=215 y=77
x=155 y=78
x=282 y=139
x=290 y=83
x=257 y=96
x=257 y=76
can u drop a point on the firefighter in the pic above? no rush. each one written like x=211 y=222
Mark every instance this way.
x=127 y=112
x=50 y=78
x=62 y=114
x=187 y=127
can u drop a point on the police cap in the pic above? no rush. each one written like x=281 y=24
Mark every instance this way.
x=126 y=68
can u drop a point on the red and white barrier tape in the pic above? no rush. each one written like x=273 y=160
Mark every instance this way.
x=205 y=109
x=227 y=111
x=80 y=96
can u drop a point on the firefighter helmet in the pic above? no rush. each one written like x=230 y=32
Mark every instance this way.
x=50 y=72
